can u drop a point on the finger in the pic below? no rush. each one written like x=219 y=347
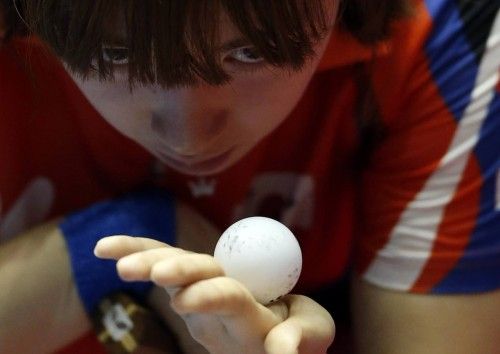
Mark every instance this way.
x=317 y=328
x=285 y=338
x=228 y=298
x=222 y=296
x=138 y=266
x=115 y=247
x=185 y=269
x=219 y=296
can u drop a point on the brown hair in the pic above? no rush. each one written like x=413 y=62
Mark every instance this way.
x=177 y=44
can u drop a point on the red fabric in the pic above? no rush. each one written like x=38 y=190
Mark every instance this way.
x=86 y=345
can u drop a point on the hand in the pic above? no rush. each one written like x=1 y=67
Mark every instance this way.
x=220 y=312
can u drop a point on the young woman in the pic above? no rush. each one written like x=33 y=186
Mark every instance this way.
x=361 y=125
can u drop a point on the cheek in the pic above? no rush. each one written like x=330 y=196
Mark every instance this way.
x=263 y=104
x=125 y=112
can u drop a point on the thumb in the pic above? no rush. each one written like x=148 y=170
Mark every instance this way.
x=284 y=338
x=308 y=328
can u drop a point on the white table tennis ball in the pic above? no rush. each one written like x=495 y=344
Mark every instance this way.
x=263 y=255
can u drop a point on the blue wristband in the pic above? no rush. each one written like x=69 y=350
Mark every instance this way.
x=149 y=213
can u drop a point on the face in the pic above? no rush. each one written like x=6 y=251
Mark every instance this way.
x=202 y=130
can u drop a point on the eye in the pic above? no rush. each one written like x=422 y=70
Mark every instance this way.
x=115 y=55
x=247 y=55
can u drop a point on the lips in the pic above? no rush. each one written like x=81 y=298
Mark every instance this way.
x=197 y=164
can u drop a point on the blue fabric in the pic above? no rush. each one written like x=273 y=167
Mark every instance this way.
x=452 y=61
x=148 y=213
x=479 y=268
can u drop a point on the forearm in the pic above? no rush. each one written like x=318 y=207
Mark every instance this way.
x=395 y=322
x=40 y=309
x=39 y=305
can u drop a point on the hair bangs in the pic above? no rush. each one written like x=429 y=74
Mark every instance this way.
x=284 y=32
x=175 y=42
x=75 y=30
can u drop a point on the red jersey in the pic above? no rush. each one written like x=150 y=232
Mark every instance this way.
x=424 y=210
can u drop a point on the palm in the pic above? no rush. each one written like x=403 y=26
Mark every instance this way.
x=221 y=328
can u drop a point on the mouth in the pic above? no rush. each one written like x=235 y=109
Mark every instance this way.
x=197 y=164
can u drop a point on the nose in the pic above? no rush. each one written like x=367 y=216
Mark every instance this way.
x=188 y=123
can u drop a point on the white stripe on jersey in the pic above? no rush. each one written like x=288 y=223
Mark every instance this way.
x=497 y=205
x=400 y=262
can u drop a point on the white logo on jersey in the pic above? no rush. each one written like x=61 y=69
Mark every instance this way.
x=202 y=187
x=31 y=208
x=498 y=192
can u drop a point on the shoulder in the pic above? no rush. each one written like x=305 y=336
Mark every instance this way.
x=446 y=26
x=435 y=55
x=431 y=192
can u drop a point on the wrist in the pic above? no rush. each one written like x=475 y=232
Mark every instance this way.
x=147 y=214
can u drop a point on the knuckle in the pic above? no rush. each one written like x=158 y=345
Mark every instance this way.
x=180 y=269
x=216 y=297
x=214 y=265
x=236 y=297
